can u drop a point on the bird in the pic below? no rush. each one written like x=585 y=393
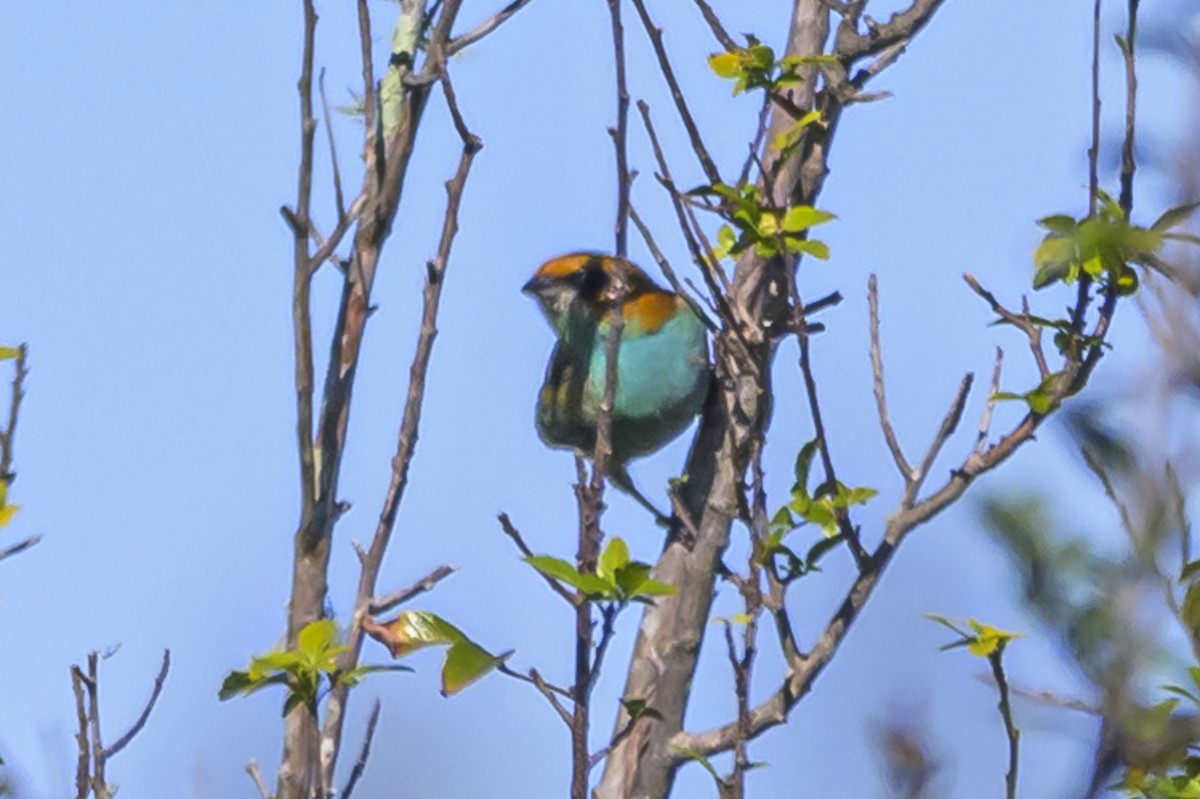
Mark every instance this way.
x=663 y=369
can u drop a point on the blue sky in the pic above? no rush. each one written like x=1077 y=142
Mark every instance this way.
x=146 y=148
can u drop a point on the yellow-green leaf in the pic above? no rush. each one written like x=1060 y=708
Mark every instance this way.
x=987 y=638
x=725 y=65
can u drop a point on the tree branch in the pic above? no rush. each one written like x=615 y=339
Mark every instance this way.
x=484 y=28
x=124 y=740
x=881 y=406
x=360 y=765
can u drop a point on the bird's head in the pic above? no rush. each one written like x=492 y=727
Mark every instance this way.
x=583 y=282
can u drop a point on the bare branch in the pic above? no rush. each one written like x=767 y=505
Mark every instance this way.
x=905 y=24
x=689 y=123
x=1023 y=322
x=302 y=278
x=372 y=562
x=985 y=421
x=947 y=428
x=83 y=767
x=1128 y=161
x=546 y=689
x=880 y=398
x=800 y=330
x=19 y=547
x=699 y=256
x=665 y=267
x=484 y=28
x=8 y=434
x=512 y=532
x=383 y=604
x=256 y=775
x=124 y=740
x=360 y=765
x=1010 y=727
x=339 y=200
x=714 y=23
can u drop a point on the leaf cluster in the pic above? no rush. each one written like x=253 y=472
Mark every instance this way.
x=1103 y=246
x=752 y=222
x=618 y=578
x=821 y=507
x=302 y=670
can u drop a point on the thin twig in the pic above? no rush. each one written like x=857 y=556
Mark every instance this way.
x=99 y=778
x=302 y=277
x=484 y=28
x=665 y=267
x=1094 y=149
x=339 y=200
x=621 y=735
x=8 y=434
x=1010 y=727
x=511 y=531
x=714 y=24
x=255 y=773
x=19 y=547
x=655 y=35
x=1022 y=321
x=947 y=428
x=83 y=763
x=546 y=689
x=124 y=740
x=880 y=397
x=800 y=329
x=360 y=765
x=383 y=604
x=609 y=614
x=985 y=421
x=385 y=181
x=1128 y=161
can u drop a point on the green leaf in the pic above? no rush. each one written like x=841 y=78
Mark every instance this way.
x=637 y=708
x=846 y=497
x=791 y=137
x=817 y=249
x=465 y=663
x=726 y=241
x=9 y=352
x=1178 y=691
x=725 y=65
x=1174 y=217
x=240 y=683
x=819 y=550
x=946 y=622
x=654 y=588
x=1191 y=606
x=781 y=524
x=803 y=217
x=988 y=639
x=317 y=637
x=614 y=556
x=564 y=572
x=1061 y=224
x=804 y=460
x=1050 y=274
x=691 y=754
x=791 y=61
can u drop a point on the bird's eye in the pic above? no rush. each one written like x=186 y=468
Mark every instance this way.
x=592 y=280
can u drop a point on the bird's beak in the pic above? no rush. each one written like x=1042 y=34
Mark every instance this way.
x=536 y=285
